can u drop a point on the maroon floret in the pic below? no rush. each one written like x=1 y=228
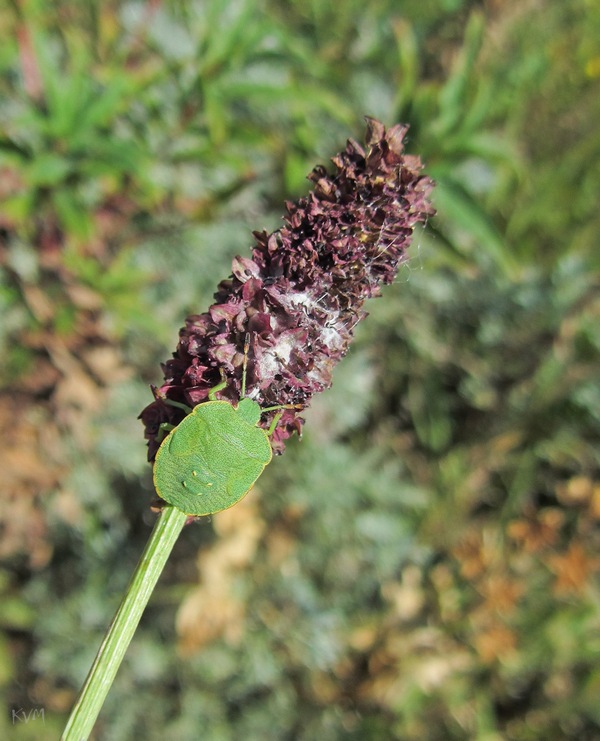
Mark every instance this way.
x=301 y=294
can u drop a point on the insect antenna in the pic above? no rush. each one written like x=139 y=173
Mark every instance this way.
x=245 y=364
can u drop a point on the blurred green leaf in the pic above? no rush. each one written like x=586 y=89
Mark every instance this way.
x=453 y=199
x=47 y=169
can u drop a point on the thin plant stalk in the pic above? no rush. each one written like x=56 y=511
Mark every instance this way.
x=298 y=298
x=110 y=655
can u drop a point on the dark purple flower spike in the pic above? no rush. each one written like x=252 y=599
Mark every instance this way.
x=301 y=294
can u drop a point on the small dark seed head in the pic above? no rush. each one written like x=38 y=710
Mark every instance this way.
x=302 y=292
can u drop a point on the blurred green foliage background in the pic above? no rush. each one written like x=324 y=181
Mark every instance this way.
x=424 y=564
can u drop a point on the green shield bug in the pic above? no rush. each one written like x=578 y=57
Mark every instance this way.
x=212 y=458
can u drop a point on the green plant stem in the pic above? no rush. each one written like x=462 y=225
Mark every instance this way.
x=117 y=639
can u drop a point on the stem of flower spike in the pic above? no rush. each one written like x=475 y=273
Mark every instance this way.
x=108 y=659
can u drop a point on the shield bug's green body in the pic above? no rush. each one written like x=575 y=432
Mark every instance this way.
x=211 y=459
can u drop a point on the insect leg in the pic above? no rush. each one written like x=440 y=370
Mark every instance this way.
x=273 y=424
x=178 y=405
x=278 y=416
x=245 y=365
x=163 y=429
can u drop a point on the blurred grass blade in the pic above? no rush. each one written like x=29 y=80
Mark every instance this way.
x=453 y=199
